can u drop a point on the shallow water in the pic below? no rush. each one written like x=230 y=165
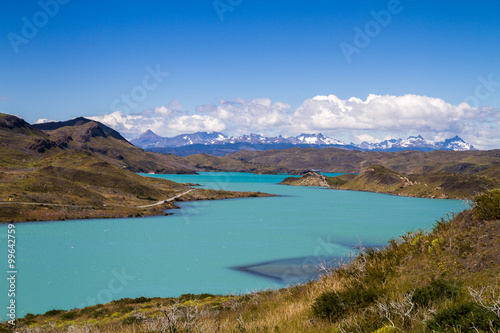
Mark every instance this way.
x=210 y=246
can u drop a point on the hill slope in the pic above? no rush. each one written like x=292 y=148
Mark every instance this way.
x=379 y=179
x=87 y=135
x=436 y=174
x=82 y=169
x=406 y=162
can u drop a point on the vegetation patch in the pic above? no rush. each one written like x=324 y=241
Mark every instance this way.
x=436 y=291
x=464 y=317
x=487 y=205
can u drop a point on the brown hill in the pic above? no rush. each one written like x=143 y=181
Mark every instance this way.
x=352 y=161
x=82 y=169
x=82 y=134
x=444 y=185
x=436 y=174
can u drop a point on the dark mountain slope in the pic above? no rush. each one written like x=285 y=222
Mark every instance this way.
x=99 y=129
x=82 y=134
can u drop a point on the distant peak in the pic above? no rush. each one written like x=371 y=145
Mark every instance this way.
x=149 y=132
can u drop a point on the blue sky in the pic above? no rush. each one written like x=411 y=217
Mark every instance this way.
x=265 y=59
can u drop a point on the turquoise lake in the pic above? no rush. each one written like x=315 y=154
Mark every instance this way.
x=68 y=264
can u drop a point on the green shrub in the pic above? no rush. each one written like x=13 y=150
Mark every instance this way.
x=333 y=305
x=435 y=291
x=193 y=297
x=386 y=329
x=465 y=317
x=29 y=316
x=54 y=312
x=123 y=301
x=142 y=300
x=487 y=205
x=69 y=315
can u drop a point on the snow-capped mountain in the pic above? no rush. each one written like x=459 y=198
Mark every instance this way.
x=315 y=139
x=150 y=140
x=399 y=144
x=418 y=143
x=456 y=144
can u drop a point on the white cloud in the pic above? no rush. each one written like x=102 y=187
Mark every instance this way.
x=196 y=123
x=253 y=116
x=378 y=117
x=375 y=119
x=134 y=124
x=43 y=121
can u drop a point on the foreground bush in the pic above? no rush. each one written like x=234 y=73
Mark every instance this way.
x=435 y=291
x=334 y=305
x=487 y=205
x=465 y=317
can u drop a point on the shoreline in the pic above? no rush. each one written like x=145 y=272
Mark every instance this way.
x=119 y=212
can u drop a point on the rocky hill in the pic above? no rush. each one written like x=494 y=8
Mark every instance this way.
x=83 y=169
x=310 y=178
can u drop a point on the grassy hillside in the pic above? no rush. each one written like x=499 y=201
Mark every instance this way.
x=406 y=162
x=207 y=162
x=83 y=169
x=377 y=178
x=445 y=280
x=82 y=134
x=436 y=174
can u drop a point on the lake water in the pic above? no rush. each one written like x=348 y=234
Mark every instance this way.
x=227 y=246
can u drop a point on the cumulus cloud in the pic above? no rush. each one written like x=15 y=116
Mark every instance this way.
x=167 y=120
x=134 y=124
x=196 y=123
x=254 y=116
x=44 y=120
x=374 y=119
x=382 y=117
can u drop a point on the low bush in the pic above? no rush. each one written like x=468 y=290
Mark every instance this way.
x=487 y=205
x=193 y=297
x=465 y=317
x=54 y=312
x=333 y=305
x=435 y=291
x=69 y=315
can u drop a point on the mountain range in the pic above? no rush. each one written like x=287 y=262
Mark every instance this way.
x=216 y=143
